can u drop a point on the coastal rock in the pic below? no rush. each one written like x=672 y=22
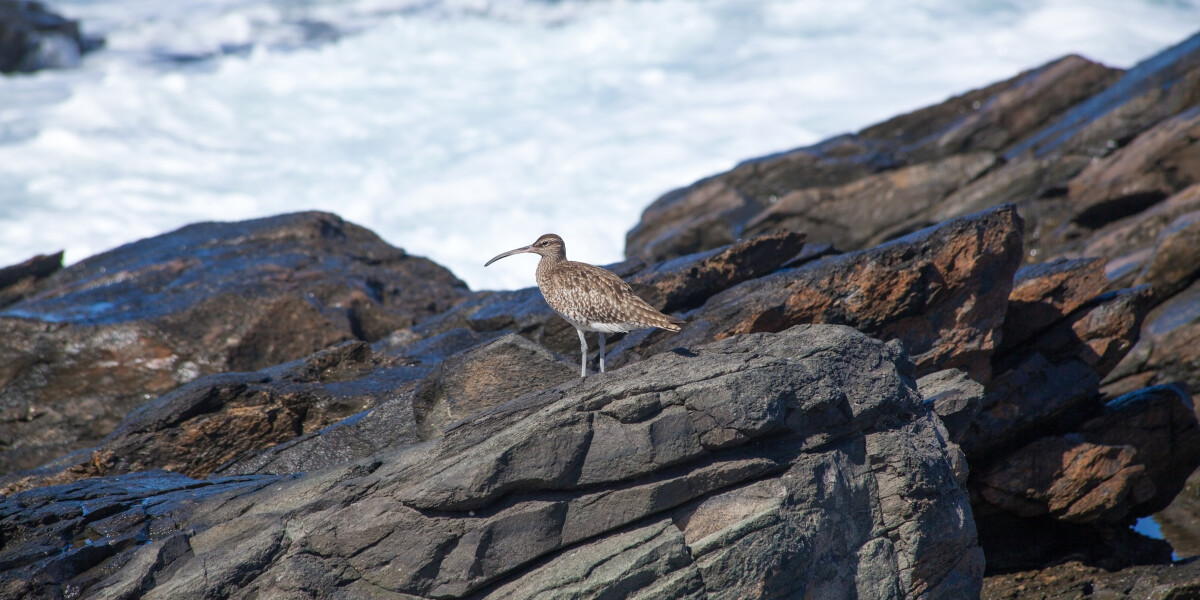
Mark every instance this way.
x=1077 y=580
x=1057 y=371
x=676 y=475
x=33 y=38
x=115 y=330
x=941 y=292
x=204 y=424
x=1173 y=264
x=953 y=397
x=22 y=280
x=933 y=150
x=1128 y=243
x=1155 y=165
x=1045 y=293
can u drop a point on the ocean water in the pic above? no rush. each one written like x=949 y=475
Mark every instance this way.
x=458 y=129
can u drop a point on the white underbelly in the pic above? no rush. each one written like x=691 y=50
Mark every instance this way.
x=601 y=327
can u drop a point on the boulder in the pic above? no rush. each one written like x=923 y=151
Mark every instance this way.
x=115 y=330
x=1045 y=293
x=33 y=38
x=790 y=464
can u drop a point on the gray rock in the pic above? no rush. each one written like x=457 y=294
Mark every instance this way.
x=954 y=397
x=801 y=463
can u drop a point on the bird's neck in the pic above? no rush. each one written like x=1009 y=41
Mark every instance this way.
x=546 y=267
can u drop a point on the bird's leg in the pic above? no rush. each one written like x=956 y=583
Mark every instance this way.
x=582 y=354
x=601 y=351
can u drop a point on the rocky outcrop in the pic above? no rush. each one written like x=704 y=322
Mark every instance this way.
x=33 y=38
x=677 y=476
x=106 y=334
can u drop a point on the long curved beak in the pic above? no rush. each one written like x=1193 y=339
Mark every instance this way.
x=509 y=253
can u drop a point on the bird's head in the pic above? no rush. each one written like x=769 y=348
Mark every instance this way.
x=548 y=246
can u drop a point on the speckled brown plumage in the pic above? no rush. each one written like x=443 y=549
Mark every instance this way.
x=589 y=298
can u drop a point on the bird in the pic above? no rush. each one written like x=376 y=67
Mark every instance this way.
x=588 y=297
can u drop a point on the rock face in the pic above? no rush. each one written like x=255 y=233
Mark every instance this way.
x=1024 y=256
x=789 y=464
x=32 y=38
x=104 y=335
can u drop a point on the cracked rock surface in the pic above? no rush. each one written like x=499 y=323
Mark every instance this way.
x=787 y=464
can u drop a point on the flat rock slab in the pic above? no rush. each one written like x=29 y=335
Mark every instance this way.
x=106 y=334
x=790 y=464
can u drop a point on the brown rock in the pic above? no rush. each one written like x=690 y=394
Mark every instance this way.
x=1045 y=293
x=940 y=291
x=200 y=426
x=1168 y=348
x=1069 y=479
x=1157 y=88
x=1175 y=262
x=713 y=211
x=873 y=208
x=21 y=280
x=1075 y=580
x=1055 y=372
x=689 y=281
x=109 y=333
x=1128 y=243
x=1158 y=163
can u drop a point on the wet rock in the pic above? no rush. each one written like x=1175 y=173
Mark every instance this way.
x=117 y=329
x=941 y=292
x=1155 y=89
x=1155 y=165
x=675 y=476
x=22 y=280
x=1129 y=242
x=715 y=210
x=1167 y=349
x=206 y=423
x=62 y=539
x=1045 y=293
x=33 y=38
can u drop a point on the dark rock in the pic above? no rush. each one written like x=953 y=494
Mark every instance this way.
x=687 y=282
x=676 y=476
x=941 y=292
x=953 y=397
x=60 y=540
x=189 y=430
x=487 y=375
x=830 y=175
x=32 y=38
x=1055 y=372
x=107 y=334
x=1155 y=89
x=1168 y=348
x=1045 y=293
x=1129 y=242
x=1154 y=166
x=22 y=280
x=1175 y=261
x=1076 y=580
